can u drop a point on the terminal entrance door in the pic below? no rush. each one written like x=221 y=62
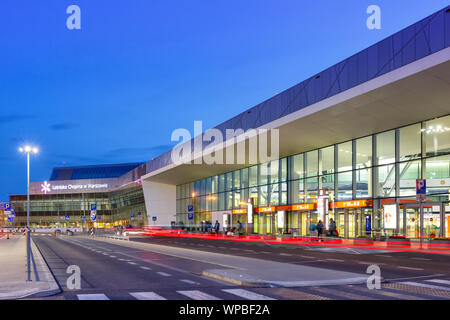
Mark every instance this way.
x=423 y=220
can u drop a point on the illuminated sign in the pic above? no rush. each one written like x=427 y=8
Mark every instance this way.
x=265 y=209
x=352 y=204
x=297 y=207
x=47 y=187
x=250 y=210
x=280 y=219
x=390 y=216
x=239 y=211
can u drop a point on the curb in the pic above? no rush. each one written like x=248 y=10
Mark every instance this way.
x=287 y=284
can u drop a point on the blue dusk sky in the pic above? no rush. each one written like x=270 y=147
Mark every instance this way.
x=114 y=91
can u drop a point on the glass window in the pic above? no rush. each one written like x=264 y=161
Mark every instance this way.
x=222 y=201
x=438 y=174
x=221 y=183
x=345 y=186
x=312 y=185
x=363 y=183
x=345 y=155
x=263 y=173
x=244 y=178
x=296 y=170
x=410 y=142
x=214 y=184
x=327 y=182
x=229 y=181
x=364 y=152
x=237 y=199
x=297 y=191
x=253 y=176
x=283 y=164
x=237 y=179
x=312 y=159
x=386 y=181
x=274 y=171
x=409 y=172
x=438 y=168
x=327 y=160
x=437 y=136
x=283 y=198
x=386 y=147
x=274 y=194
x=263 y=196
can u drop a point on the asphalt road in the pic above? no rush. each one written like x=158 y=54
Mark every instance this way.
x=113 y=271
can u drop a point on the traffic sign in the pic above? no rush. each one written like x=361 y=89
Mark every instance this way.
x=67 y=218
x=190 y=216
x=83 y=218
x=190 y=208
x=132 y=216
x=421 y=189
x=93 y=211
x=154 y=218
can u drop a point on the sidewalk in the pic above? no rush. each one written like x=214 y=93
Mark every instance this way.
x=250 y=271
x=13 y=271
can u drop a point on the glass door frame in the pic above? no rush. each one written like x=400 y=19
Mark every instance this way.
x=420 y=206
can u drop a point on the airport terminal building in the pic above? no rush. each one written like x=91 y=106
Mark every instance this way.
x=353 y=141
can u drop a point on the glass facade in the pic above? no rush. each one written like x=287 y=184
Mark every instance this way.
x=381 y=168
x=120 y=207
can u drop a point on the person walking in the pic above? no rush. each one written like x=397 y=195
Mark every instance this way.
x=332 y=227
x=217 y=227
x=239 y=227
x=319 y=228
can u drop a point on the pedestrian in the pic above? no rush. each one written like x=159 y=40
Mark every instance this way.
x=319 y=228
x=239 y=227
x=217 y=227
x=332 y=227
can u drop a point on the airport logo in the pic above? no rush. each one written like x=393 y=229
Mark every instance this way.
x=45 y=187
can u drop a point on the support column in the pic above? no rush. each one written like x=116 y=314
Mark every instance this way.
x=160 y=202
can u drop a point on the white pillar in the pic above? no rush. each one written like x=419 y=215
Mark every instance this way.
x=160 y=202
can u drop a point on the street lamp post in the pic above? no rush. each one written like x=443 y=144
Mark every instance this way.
x=28 y=150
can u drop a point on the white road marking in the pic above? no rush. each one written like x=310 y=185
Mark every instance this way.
x=99 y=296
x=441 y=281
x=307 y=257
x=337 y=260
x=198 y=295
x=164 y=274
x=410 y=268
x=371 y=263
x=113 y=256
x=146 y=268
x=131 y=262
x=189 y=281
x=247 y=294
x=286 y=254
x=147 y=296
x=422 y=259
x=424 y=285
x=382 y=255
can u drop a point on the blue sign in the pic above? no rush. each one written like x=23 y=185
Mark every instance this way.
x=154 y=218
x=421 y=189
x=83 y=218
x=132 y=216
x=93 y=215
x=368 y=224
x=10 y=219
x=93 y=206
x=190 y=216
x=99 y=218
x=67 y=218
x=7 y=207
x=190 y=208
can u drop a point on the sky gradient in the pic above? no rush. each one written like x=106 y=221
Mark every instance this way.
x=115 y=90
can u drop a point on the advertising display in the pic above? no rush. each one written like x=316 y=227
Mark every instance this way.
x=390 y=216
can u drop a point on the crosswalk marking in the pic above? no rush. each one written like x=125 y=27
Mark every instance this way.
x=131 y=262
x=292 y=294
x=247 y=294
x=336 y=260
x=386 y=293
x=410 y=268
x=189 y=281
x=146 y=268
x=441 y=281
x=96 y=296
x=424 y=285
x=341 y=293
x=164 y=274
x=147 y=296
x=198 y=295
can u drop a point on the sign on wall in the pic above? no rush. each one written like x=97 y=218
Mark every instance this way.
x=390 y=216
